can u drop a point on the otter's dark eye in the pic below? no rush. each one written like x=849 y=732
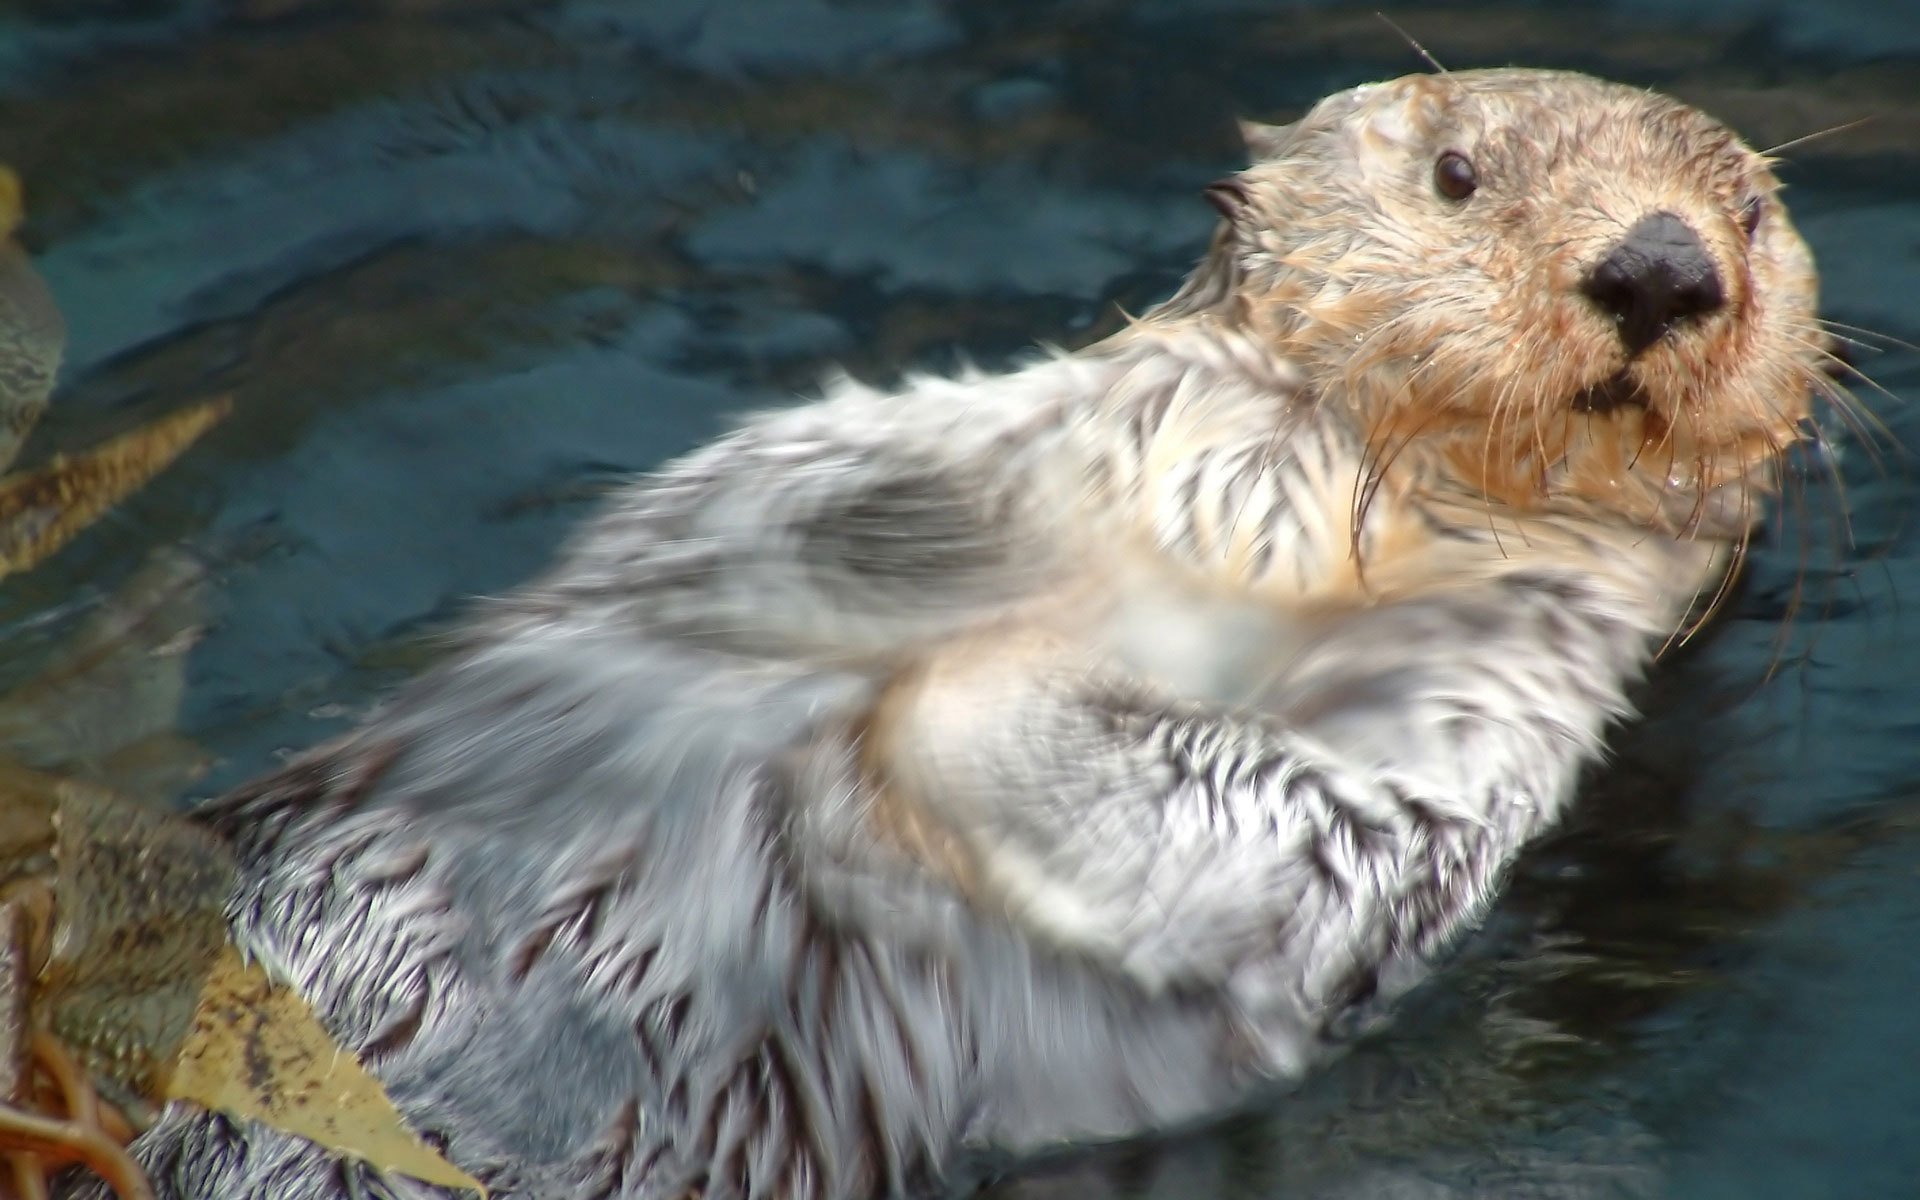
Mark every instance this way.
x=1751 y=212
x=1454 y=177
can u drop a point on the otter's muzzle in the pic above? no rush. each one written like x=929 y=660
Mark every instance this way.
x=1659 y=276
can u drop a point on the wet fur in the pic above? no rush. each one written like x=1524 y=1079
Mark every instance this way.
x=1017 y=760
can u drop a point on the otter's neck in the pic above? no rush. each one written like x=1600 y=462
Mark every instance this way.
x=1272 y=562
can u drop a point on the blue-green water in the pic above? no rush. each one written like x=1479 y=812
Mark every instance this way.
x=462 y=263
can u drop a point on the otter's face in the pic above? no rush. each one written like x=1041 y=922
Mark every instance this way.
x=1539 y=289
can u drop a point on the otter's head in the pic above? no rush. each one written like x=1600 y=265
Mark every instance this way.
x=1535 y=289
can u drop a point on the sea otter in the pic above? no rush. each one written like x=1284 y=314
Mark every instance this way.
x=1018 y=760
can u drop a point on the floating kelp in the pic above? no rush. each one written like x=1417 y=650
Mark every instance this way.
x=120 y=993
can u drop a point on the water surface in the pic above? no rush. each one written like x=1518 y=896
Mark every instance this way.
x=461 y=264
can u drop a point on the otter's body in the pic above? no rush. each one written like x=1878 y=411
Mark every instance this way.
x=1056 y=756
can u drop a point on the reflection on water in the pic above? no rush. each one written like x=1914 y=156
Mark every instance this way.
x=106 y=703
x=460 y=263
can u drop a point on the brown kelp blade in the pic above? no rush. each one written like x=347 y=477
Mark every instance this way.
x=143 y=989
x=139 y=918
x=106 y=705
x=43 y=510
x=33 y=335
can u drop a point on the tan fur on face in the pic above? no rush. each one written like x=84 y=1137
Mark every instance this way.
x=1457 y=330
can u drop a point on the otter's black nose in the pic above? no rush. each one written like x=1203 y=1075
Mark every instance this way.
x=1659 y=275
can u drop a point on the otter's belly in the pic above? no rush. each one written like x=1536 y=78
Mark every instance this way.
x=1185 y=640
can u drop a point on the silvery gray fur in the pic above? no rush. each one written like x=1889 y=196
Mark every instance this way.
x=596 y=900
x=604 y=900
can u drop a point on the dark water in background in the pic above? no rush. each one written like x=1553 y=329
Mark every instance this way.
x=460 y=264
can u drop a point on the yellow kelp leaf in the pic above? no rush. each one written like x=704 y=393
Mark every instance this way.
x=257 y=1051
x=12 y=207
x=42 y=510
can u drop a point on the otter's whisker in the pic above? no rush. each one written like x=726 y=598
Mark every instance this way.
x=1408 y=39
x=1817 y=346
x=1816 y=135
x=1687 y=622
x=1852 y=421
x=1866 y=424
x=1842 y=499
x=1861 y=331
x=1729 y=577
x=1381 y=461
x=1268 y=457
x=1504 y=414
x=1377 y=459
x=1867 y=428
x=1794 y=491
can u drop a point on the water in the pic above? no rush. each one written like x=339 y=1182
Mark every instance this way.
x=462 y=263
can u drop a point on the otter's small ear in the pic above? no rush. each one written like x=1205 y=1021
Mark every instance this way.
x=1264 y=141
x=1229 y=195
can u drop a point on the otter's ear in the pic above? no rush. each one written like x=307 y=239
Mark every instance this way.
x=1264 y=141
x=1230 y=196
